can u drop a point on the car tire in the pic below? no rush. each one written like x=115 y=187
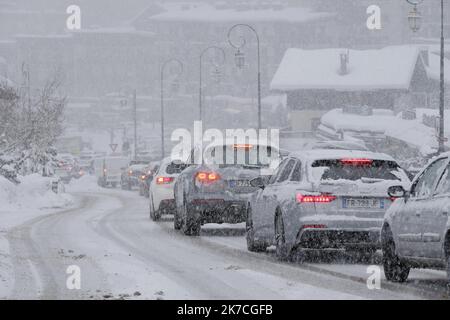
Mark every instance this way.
x=282 y=251
x=190 y=226
x=395 y=270
x=252 y=244
x=448 y=273
x=154 y=214
x=177 y=222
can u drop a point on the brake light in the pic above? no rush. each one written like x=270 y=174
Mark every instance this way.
x=323 y=198
x=243 y=146
x=130 y=172
x=143 y=177
x=356 y=162
x=207 y=177
x=164 y=180
x=314 y=226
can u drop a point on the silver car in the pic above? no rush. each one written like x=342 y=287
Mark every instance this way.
x=416 y=229
x=323 y=199
x=218 y=191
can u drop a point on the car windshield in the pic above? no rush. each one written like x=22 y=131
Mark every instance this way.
x=247 y=156
x=346 y=170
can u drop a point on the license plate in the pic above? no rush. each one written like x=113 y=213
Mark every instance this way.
x=350 y=203
x=239 y=183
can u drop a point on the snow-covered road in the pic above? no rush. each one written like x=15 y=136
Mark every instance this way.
x=121 y=253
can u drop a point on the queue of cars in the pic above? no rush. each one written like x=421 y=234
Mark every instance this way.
x=319 y=199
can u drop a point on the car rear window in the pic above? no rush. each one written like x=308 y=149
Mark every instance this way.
x=372 y=169
x=174 y=169
x=226 y=156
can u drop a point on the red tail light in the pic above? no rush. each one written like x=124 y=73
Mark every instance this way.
x=164 y=180
x=243 y=146
x=207 y=177
x=323 y=198
x=314 y=226
x=356 y=162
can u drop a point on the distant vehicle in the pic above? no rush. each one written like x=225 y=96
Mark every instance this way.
x=130 y=176
x=146 y=179
x=108 y=170
x=63 y=173
x=86 y=162
x=323 y=199
x=161 y=191
x=66 y=167
x=416 y=228
x=218 y=193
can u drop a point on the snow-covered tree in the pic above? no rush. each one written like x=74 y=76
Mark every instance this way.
x=29 y=127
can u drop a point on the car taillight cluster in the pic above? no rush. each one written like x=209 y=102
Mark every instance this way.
x=164 y=180
x=323 y=198
x=207 y=177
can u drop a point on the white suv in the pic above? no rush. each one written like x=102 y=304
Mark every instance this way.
x=416 y=229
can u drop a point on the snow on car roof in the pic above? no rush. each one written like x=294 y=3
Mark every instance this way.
x=317 y=154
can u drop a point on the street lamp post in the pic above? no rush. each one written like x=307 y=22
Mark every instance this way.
x=240 y=59
x=200 y=99
x=162 y=70
x=415 y=19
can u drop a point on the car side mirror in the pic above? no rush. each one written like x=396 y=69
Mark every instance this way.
x=258 y=183
x=397 y=192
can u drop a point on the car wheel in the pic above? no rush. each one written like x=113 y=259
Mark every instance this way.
x=282 y=251
x=177 y=222
x=252 y=244
x=191 y=226
x=154 y=214
x=394 y=269
x=448 y=273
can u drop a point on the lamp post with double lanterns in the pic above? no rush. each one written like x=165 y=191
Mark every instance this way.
x=415 y=22
x=174 y=84
x=239 y=58
x=216 y=73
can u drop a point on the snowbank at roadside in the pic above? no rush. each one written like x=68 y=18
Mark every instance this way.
x=86 y=183
x=32 y=198
x=33 y=193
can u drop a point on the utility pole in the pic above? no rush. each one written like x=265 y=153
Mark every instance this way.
x=135 y=123
x=442 y=86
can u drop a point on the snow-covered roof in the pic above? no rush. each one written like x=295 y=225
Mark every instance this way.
x=207 y=12
x=434 y=68
x=387 y=68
